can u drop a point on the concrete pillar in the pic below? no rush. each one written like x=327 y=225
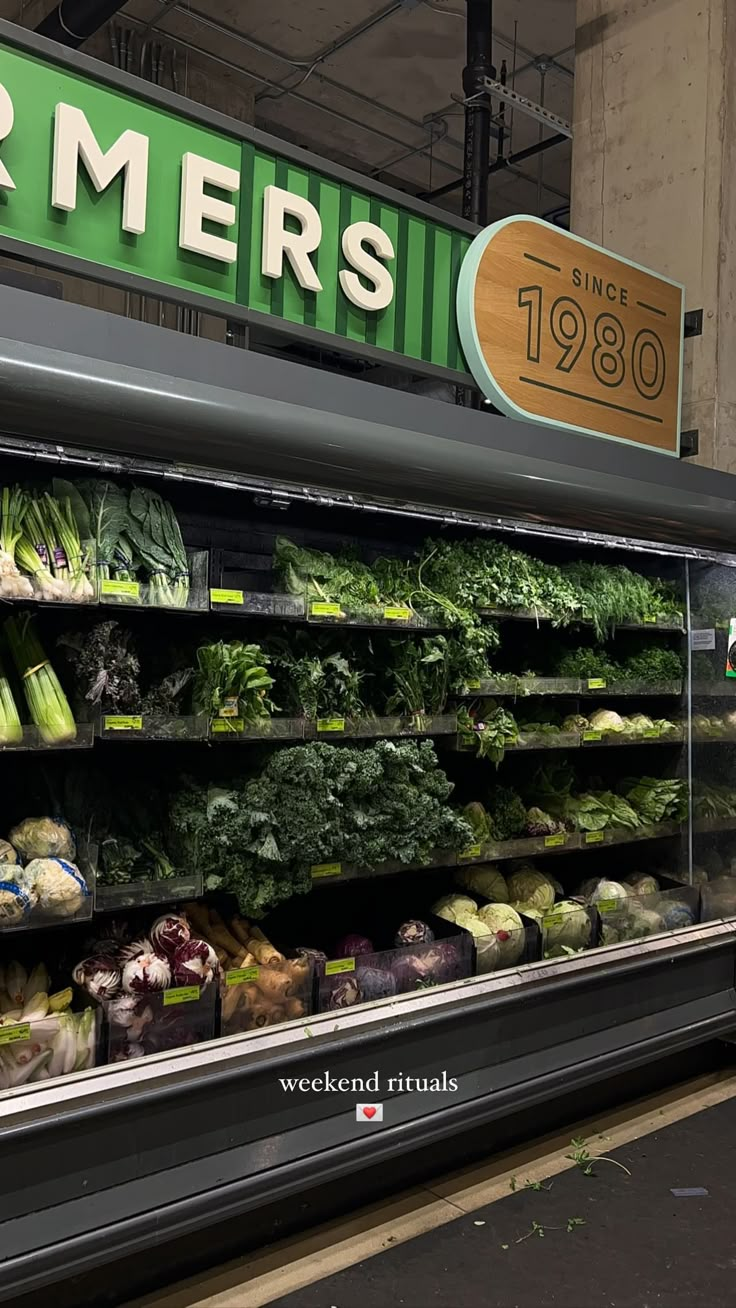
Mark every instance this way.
x=654 y=173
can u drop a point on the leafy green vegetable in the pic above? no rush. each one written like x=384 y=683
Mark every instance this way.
x=311 y=804
x=233 y=671
x=493 y=729
x=507 y=814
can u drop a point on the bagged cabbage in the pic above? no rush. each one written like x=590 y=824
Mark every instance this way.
x=43 y=837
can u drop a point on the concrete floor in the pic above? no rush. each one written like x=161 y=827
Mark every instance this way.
x=321 y=1258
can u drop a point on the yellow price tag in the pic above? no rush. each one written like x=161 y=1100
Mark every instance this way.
x=338 y=965
x=473 y=684
x=326 y=870
x=607 y=905
x=130 y=589
x=223 y=726
x=553 y=919
x=590 y=736
x=218 y=596
x=181 y=995
x=554 y=842
x=596 y=683
x=322 y=610
x=397 y=613
x=651 y=733
x=473 y=851
x=595 y=837
x=238 y=975
x=330 y=724
x=10 y=1034
x=124 y=724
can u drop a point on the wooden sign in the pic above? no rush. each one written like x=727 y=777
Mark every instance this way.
x=561 y=332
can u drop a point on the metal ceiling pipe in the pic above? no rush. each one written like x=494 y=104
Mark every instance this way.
x=73 y=21
x=539 y=147
x=232 y=33
x=477 y=111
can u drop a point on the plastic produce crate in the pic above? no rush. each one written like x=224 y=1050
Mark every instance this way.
x=259 y=996
x=639 y=916
x=160 y=1020
x=18 y=913
x=344 y=982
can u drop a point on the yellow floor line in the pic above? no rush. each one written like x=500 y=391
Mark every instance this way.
x=255 y=1281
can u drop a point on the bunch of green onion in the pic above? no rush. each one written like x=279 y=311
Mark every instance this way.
x=48 y=705
x=50 y=549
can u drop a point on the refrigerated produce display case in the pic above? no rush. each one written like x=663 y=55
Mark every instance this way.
x=471 y=844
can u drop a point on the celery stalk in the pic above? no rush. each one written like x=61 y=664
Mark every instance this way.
x=48 y=705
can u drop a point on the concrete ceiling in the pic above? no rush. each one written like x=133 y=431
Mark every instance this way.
x=373 y=84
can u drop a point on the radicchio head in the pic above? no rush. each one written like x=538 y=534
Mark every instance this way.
x=195 y=963
x=169 y=933
x=146 y=973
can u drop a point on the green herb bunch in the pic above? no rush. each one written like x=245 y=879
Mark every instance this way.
x=233 y=670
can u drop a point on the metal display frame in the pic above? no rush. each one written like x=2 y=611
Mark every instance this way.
x=99 y=1165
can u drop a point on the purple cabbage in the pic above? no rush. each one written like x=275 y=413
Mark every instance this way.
x=375 y=982
x=414 y=932
x=352 y=946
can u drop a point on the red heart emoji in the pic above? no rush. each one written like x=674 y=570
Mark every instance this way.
x=369 y=1112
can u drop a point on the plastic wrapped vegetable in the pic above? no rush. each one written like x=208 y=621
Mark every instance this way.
x=451 y=907
x=146 y=973
x=676 y=914
x=43 y=837
x=60 y=887
x=528 y=887
x=484 y=879
x=508 y=929
x=413 y=932
x=7 y=853
x=169 y=933
x=15 y=903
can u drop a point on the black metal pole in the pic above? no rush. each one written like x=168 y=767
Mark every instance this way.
x=477 y=111
x=477 y=131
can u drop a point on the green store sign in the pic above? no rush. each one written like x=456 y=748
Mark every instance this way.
x=95 y=172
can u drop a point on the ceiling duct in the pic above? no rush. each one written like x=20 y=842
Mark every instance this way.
x=73 y=21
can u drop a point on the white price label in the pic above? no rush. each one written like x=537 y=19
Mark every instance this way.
x=704 y=638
